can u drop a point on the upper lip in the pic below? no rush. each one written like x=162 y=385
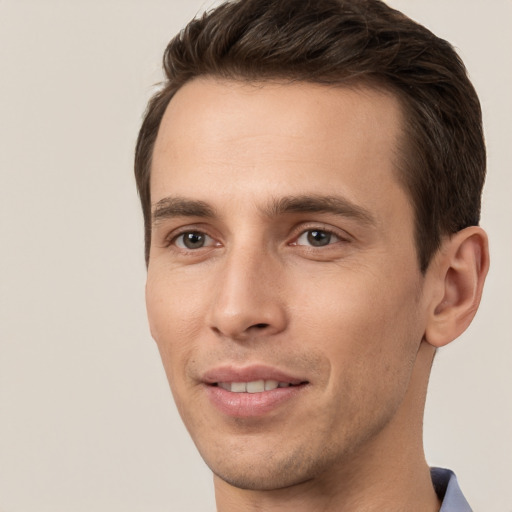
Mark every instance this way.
x=231 y=373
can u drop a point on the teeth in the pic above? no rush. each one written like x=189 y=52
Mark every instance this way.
x=271 y=384
x=255 y=386
x=238 y=387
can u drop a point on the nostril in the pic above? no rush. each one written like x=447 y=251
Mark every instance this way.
x=260 y=326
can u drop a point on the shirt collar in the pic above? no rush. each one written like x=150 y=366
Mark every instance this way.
x=448 y=490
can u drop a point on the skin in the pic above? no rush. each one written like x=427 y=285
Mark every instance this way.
x=350 y=318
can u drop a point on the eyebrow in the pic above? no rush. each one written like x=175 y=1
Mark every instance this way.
x=320 y=204
x=170 y=207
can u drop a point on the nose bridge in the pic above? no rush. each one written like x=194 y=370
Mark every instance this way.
x=248 y=298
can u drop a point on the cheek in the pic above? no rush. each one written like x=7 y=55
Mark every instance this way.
x=368 y=325
x=175 y=319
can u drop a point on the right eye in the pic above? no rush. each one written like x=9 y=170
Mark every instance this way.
x=193 y=240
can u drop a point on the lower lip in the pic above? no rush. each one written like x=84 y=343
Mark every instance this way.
x=250 y=405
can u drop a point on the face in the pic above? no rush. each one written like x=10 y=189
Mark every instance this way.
x=283 y=288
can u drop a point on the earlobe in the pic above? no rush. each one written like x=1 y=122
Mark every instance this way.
x=460 y=270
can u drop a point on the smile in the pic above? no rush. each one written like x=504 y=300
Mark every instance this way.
x=252 y=391
x=254 y=386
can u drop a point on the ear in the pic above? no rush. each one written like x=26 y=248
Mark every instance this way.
x=458 y=273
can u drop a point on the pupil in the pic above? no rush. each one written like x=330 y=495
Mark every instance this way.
x=319 y=238
x=193 y=240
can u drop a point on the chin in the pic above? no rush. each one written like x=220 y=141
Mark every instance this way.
x=269 y=471
x=256 y=479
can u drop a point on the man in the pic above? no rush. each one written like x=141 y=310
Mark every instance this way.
x=310 y=177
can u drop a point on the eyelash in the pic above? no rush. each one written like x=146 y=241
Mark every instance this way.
x=329 y=232
x=197 y=233
x=172 y=239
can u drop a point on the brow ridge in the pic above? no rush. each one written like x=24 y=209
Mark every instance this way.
x=170 y=207
x=319 y=204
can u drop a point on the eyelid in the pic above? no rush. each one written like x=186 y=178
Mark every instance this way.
x=332 y=238
x=303 y=228
x=209 y=241
x=170 y=238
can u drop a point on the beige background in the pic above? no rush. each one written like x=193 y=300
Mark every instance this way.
x=86 y=419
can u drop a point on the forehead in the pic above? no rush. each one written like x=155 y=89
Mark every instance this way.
x=282 y=138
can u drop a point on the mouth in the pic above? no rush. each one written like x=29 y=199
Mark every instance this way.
x=255 y=386
x=252 y=392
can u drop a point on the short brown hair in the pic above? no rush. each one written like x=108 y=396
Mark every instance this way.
x=345 y=42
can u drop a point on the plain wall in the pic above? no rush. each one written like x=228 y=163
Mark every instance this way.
x=87 y=421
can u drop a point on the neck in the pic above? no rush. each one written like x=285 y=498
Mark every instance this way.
x=389 y=471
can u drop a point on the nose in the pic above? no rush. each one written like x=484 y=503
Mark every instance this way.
x=249 y=301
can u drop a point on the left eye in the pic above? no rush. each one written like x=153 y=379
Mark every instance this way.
x=193 y=240
x=317 y=238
